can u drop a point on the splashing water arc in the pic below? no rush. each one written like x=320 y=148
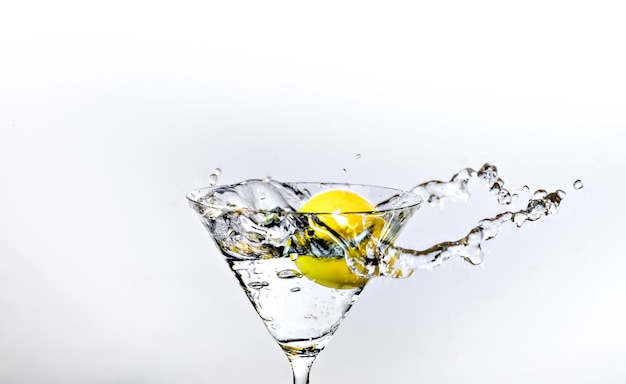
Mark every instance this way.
x=402 y=262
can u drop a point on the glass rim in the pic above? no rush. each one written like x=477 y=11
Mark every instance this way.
x=418 y=200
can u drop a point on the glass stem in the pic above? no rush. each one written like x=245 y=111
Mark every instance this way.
x=301 y=366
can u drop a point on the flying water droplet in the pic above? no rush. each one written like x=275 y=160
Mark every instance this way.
x=495 y=188
x=504 y=197
x=578 y=184
x=525 y=188
x=488 y=174
x=358 y=156
x=214 y=176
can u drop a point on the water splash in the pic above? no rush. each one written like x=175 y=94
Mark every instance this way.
x=435 y=191
x=267 y=228
x=401 y=262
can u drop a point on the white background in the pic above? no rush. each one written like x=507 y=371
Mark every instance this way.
x=110 y=112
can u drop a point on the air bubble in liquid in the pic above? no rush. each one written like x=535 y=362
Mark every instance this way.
x=259 y=284
x=288 y=274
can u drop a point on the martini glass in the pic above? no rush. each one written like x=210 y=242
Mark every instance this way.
x=302 y=272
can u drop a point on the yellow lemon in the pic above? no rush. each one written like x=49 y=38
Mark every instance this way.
x=331 y=207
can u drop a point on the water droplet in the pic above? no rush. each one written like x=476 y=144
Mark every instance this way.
x=520 y=218
x=212 y=179
x=344 y=170
x=488 y=174
x=218 y=171
x=495 y=188
x=288 y=274
x=525 y=188
x=308 y=316
x=358 y=156
x=536 y=210
x=504 y=197
x=578 y=184
x=275 y=326
x=295 y=289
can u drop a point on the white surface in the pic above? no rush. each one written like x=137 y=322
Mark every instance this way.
x=110 y=113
